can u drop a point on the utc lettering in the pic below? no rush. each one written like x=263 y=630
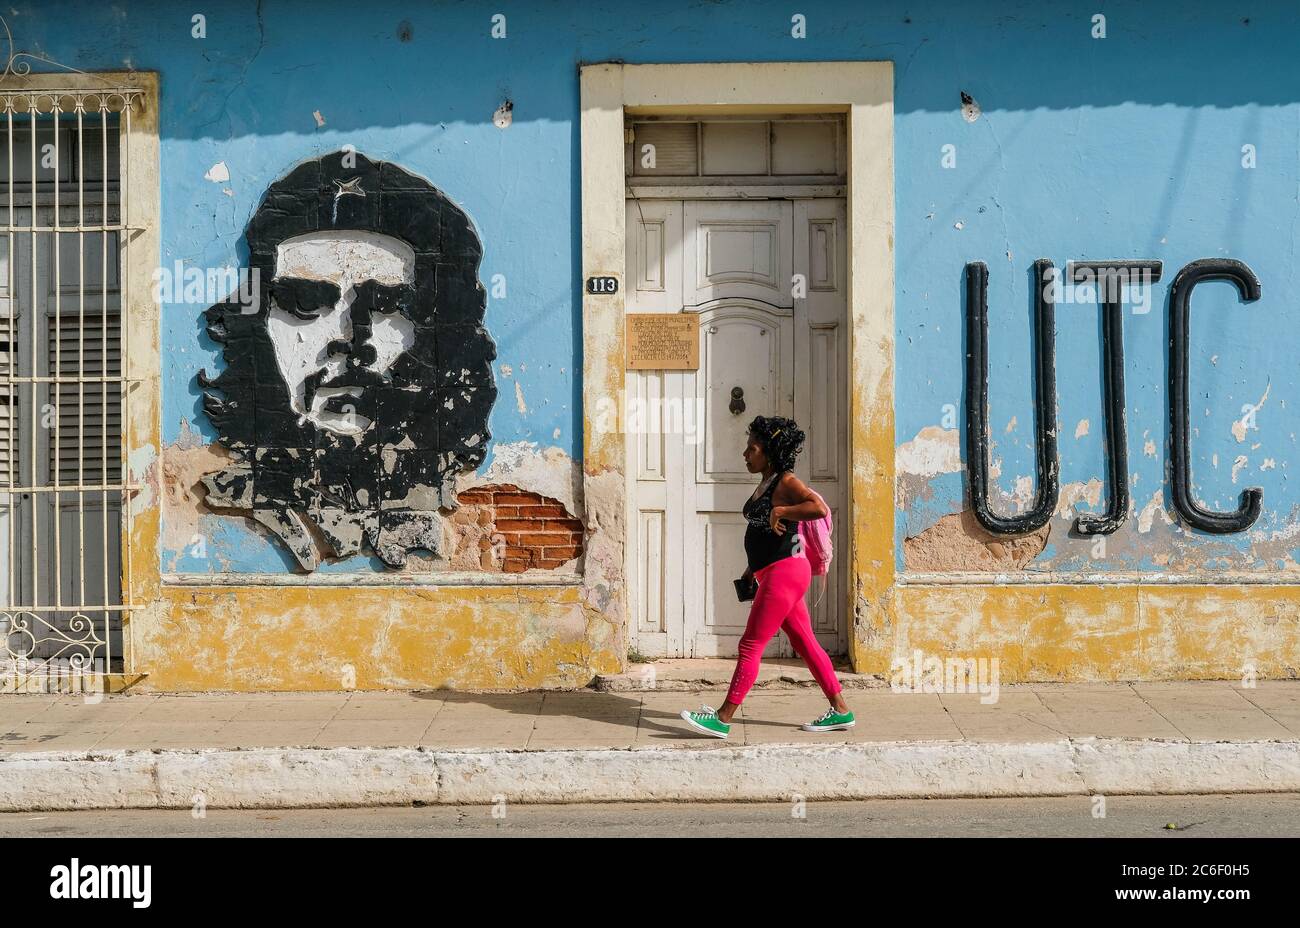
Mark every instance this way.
x=1109 y=274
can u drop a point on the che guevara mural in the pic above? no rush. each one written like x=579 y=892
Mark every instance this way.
x=358 y=383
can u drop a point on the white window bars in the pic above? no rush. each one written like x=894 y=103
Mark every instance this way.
x=64 y=503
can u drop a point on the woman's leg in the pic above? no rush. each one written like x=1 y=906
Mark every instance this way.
x=798 y=628
x=778 y=589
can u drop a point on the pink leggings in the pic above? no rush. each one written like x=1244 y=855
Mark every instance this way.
x=779 y=605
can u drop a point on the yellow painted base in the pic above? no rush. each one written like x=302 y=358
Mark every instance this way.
x=517 y=638
x=1082 y=633
x=332 y=638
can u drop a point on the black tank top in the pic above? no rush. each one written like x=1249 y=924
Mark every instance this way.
x=762 y=545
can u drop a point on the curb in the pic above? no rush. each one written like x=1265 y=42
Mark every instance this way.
x=284 y=778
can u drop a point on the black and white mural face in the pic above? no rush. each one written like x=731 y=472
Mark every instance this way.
x=359 y=383
x=328 y=357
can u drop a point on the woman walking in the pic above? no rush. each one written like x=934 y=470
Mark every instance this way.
x=776 y=560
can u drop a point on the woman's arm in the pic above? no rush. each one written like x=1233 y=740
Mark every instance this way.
x=794 y=501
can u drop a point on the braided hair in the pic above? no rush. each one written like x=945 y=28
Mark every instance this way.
x=781 y=440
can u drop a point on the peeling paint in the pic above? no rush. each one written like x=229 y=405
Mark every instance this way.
x=1077 y=492
x=1248 y=418
x=1155 y=506
x=959 y=542
x=184 y=464
x=140 y=466
x=933 y=451
x=504 y=115
x=548 y=471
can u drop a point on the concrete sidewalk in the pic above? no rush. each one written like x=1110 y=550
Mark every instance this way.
x=369 y=748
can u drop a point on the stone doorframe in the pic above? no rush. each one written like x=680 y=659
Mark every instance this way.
x=864 y=90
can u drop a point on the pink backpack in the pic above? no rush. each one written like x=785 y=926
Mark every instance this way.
x=815 y=535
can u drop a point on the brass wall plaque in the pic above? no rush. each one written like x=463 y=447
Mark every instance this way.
x=663 y=341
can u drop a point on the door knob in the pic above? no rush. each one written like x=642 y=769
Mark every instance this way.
x=737 y=405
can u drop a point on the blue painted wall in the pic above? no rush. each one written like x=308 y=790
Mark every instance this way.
x=1128 y=146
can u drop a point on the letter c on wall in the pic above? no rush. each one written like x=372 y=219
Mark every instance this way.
x=1180 y=297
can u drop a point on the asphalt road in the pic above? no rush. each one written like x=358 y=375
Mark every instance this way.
x=1265 y=815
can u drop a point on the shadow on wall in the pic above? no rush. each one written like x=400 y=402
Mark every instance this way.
x=265 y=69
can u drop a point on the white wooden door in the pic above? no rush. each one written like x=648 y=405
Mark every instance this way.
x=765 y=278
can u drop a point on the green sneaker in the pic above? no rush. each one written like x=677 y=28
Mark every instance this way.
x=706 y=721
x=831 y=720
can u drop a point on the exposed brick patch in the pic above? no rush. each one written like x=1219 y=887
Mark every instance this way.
x=530 y=530
x=513 y=496
x=542 y=512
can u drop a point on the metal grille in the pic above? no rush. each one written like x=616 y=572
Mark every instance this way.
x=64 y=506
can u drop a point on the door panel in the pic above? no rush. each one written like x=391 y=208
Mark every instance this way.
x=737 y=250
x=721 y=618
x=747 y=345
x=654 y=255
x=654 y=417
x=732 y=263
x=650 y=532
x=746 y=349
x=821 y=394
